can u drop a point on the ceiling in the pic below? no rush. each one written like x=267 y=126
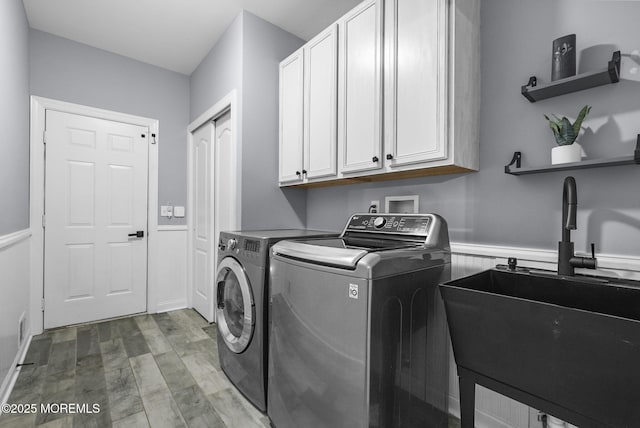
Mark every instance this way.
x=172 y=34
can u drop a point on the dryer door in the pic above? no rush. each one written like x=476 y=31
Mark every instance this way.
x=236 y=315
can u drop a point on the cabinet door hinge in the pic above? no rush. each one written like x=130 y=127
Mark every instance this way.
x=42 y=304
x=44 y=137
x=44 y=221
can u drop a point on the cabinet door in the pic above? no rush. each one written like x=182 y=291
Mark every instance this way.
x=320 y=104
x=359 y=105
x=416 y=81
x=291 y=117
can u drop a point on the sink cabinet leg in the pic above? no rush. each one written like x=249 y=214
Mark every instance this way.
x=467 y=402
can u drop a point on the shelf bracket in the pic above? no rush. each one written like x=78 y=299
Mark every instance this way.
x=636 y=153
x=533 y=82
x=517 y=159
x=614 y=67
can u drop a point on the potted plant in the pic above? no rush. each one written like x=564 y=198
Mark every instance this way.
x=566 y=133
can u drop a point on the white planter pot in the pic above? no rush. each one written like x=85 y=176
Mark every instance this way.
x=566 y=154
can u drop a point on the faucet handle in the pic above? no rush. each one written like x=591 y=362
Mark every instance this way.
x=585 y=262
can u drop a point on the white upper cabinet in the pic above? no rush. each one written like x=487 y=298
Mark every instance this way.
x=320 y=104
x=432 y=87
x=360 y=89
x=408 y=67
x=415 y=81
x=291 y=118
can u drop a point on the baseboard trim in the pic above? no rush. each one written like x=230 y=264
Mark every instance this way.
x=10 y=379
x=13 y=238
x=172 y=305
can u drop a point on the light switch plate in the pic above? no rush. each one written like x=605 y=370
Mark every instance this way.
x=166 y=211
x=178 y=211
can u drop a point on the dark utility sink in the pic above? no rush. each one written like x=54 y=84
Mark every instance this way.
x=573 y=342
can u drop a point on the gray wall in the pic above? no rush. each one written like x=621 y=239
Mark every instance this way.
x=219 y=72
x=14 y=116
x=490 y=207
x=264 y=204
x=77 y=73
x=14 y=176
x=246 y=58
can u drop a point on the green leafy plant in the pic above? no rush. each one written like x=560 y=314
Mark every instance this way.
x=564 y=131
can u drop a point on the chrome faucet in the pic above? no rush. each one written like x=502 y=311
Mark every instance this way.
x=567 y=261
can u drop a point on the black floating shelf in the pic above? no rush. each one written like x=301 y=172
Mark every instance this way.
x=597 y=163
x=534 y=92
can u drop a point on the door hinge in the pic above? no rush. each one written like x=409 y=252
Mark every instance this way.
x=44 y=221
x=44 y=137
x=42 y=304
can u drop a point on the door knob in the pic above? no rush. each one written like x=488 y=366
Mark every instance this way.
x=138 y=234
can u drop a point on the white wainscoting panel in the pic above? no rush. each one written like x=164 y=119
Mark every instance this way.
x=492 y=409
x=14 y=304
x=171 y=292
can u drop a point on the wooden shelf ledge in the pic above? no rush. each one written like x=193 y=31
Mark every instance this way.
x=534 y=92
x=514 y=168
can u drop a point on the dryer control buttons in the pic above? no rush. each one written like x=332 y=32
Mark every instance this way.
x=231 y=244
x=379 y=222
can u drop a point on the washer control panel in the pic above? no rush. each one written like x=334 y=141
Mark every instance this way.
x=399 y=224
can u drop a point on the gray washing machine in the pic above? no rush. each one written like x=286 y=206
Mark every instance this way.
x=358 y=330
x=241 y=314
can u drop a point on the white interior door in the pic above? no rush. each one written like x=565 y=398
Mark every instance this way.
x=203 y=225
x=225 y=201
x=214 y=205
x=95 y=196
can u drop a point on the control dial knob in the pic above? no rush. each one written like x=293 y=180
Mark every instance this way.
x=231 y=244
x=379 y=222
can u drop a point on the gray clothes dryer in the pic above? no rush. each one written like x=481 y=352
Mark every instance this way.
x=358 y=331
x=241 y=313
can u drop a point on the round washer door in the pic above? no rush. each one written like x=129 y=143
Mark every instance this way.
x=235 y=313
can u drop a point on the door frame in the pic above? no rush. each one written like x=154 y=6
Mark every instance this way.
x=228 y=103
x=39 y=105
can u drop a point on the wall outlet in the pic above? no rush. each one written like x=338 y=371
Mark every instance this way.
x=178 y=211
x=374 y=207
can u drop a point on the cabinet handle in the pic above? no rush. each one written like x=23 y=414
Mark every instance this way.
x=304 y=171
x=298 y=173
x=375 y=159
x=389 y=156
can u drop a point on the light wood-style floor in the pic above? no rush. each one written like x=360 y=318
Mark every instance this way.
x=158 y=370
